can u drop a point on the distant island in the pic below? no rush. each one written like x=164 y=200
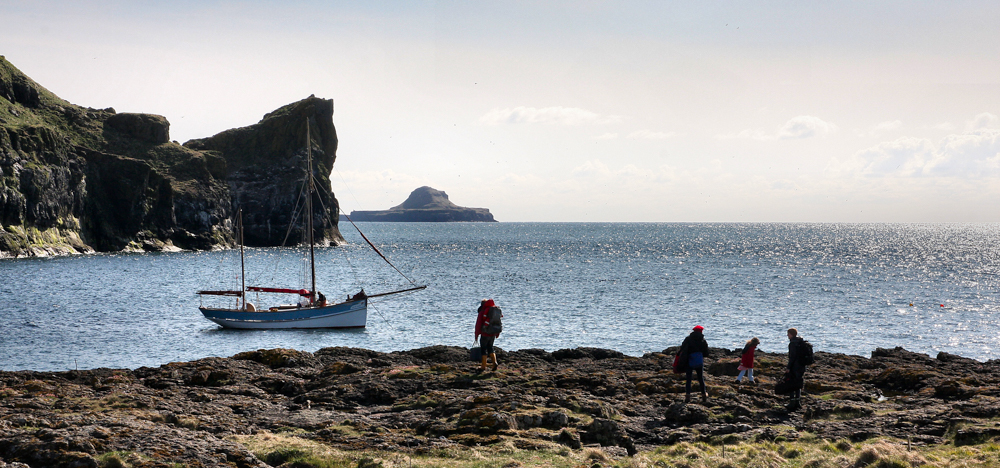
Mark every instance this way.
x=426 y=204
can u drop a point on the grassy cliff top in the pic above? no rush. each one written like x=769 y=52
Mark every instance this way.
x=30 y=109
x=27 y=104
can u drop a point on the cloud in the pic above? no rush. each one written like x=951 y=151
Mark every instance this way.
x=783 y=185
x=511 y=179
x=594 y=167
x=624 y=176
x=639 y=135
x=803 y=126
x=975 y=154
x=650 y=135
x=970 y=155
x=745 y=134
x=882 y=127
x=982 y=121
x=886 y=126
x=547 y=115
x=373 y=190
x=905 y=156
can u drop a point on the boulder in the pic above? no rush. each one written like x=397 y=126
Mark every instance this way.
x=147 y=128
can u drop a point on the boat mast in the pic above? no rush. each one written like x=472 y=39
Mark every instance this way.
x=309 y=176
x=243 y=282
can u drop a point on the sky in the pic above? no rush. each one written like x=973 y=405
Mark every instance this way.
x=575 y=111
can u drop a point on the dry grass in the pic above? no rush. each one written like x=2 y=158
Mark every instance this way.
x=278 y=449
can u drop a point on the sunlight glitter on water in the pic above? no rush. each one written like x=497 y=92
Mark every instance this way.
x=635 y=288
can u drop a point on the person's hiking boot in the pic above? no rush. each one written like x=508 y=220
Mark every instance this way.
x=687 y=398
x=794 y=404
x=738 y=381
x=704 y=397
x=495 y=363
x=482 y=364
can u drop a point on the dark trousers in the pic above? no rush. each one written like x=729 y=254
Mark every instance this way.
x=798 y=375
x=486 y=343
x=701 y=378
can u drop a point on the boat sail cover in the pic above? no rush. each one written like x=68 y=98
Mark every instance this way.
x=301 y=292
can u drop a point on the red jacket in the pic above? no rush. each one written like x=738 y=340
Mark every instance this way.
x=481 y=320
x=747 y=359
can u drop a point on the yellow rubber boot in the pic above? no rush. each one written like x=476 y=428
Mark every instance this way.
x=482 y=366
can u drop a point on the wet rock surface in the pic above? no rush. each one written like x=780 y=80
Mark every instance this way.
x=427 y=398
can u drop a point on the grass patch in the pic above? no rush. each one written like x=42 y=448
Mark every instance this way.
x=344 y=430
x=408 y=372
x=806 y=452
x=120 y=459
x=285 y=450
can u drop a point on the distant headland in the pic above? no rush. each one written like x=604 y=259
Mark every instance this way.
x=426 y=204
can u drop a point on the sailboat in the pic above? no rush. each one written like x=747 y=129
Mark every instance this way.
x=312 y=309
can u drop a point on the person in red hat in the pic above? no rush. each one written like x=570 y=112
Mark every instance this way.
x=694 y=350
x=486 y=343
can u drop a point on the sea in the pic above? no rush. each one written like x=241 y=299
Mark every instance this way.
x=632 y=287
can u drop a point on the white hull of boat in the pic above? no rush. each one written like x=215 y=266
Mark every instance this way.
x=351 y=314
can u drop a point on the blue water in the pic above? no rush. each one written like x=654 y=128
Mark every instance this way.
x=635 y=288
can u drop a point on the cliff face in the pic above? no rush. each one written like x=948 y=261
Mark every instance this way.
x=426 y=204
x=77 y=179
x=265 y=166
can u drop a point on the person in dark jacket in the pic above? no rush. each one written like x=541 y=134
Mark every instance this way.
x=694 y=350
x=796 y=366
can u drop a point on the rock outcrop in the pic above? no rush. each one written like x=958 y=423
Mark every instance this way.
x=426 y=204
x=432 y=398
x=265 y=165
x=78 y=179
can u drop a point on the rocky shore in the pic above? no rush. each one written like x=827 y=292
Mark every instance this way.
x=199 y=413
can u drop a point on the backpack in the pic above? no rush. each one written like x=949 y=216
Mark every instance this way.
x=494 y=324
x=787 y=384
x=679 y=365
x=806 y=353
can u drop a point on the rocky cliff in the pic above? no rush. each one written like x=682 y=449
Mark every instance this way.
x=77 y=179
x=265 y=166
x=429 y=205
